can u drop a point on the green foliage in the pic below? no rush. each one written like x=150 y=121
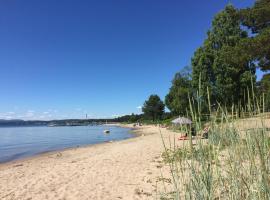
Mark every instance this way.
x=202 y=70
x=257 y=47
x=226 y=81
x=257 y=18
x=178 y=98
x=224 y=67
x=224 y=137
x=232 y=164
x=185 y=153
x=264 y=88
x=153 y=108
x=133 y=118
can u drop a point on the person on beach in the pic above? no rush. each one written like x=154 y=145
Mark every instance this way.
x=205 y=132
x=186 y=136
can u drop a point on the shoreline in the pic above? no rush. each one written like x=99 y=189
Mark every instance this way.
x=133 y=131
x=125 y=169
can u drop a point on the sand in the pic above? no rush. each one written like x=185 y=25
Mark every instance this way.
x=128 y=169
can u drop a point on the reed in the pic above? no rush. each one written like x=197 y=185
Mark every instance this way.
x=233 y=163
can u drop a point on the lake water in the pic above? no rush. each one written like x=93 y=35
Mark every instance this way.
x=21 y=142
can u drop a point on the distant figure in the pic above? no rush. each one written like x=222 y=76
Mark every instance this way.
x=205 y=132
x=186 y=136
x=193 y=131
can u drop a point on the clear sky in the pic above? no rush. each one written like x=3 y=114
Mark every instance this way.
x=63 y=58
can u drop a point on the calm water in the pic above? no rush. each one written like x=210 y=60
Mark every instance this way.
x=20 y=142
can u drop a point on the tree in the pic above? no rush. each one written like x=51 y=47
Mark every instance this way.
x=177 y=100
x=203 y=75
x=257 y=18
x=226 y=81
x=256 y=47
x=232 y=79
x=153 y=107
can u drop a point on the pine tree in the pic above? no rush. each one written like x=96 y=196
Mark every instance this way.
x=225 y=80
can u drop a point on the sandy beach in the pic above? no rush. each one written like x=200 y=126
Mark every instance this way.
x=128 y=169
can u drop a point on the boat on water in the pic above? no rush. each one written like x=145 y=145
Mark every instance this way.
x=52 y=125
x=106 y=130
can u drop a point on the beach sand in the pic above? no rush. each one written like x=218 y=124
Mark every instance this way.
x=128 y=169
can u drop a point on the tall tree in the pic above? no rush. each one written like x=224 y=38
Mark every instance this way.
x=226 y=81
x=153 y=107
x=177 y=100
x=203 y=75
x=232 y=79
x=257 y=46
x=257 y=18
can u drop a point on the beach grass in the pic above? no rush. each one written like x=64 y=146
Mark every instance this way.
x=232 y=163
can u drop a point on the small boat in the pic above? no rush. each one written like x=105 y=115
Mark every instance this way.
x=51 y=125
x=106 y=131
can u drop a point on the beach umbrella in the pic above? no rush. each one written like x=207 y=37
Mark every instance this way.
x=181 y=121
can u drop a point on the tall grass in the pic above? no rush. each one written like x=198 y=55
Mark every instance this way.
x=233 y=163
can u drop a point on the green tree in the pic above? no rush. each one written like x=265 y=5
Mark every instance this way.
x=203 y=75
x=232 y=79
x=177 y=100
x=133 y=118
x=153 y=107
x=226 y=81
x=257 y=19
x=256 y=47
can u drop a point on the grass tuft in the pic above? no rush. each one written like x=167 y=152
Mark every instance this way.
x=233 y=163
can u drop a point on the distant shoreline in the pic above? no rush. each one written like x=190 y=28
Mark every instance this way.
x=60 y=122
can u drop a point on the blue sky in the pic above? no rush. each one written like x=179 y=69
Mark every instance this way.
x=62 y=59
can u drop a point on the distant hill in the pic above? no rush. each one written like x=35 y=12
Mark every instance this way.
x=19 y=122
x=10 y=120
x=64 y=122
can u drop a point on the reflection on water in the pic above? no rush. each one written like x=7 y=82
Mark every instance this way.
x=20 y=142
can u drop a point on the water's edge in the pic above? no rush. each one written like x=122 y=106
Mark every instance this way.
x=15 y=161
